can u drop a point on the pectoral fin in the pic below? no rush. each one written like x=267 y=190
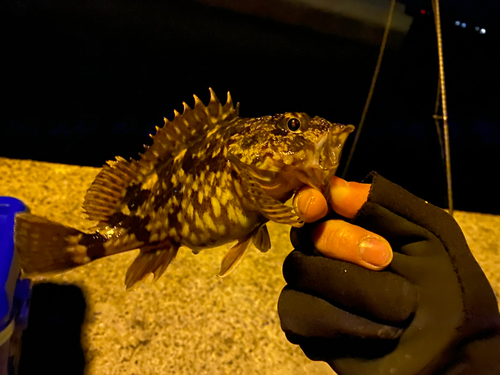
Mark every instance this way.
x=262 y=176
x=253 y=179
x=278 y=212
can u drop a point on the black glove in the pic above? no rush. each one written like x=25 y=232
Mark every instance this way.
x=432 y=311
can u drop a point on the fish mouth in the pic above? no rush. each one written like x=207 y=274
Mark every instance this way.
x=321 y=167
x=313 y=166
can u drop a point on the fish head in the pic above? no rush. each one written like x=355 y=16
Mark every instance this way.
x=294 y=148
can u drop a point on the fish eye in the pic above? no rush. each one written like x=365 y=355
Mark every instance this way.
x=293 y=124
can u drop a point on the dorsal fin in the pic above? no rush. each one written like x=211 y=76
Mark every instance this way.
x=109 y=188
x=109 y=192
x=193 y=123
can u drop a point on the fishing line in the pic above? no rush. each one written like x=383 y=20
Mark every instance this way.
x=372 y=87
x=444 y=138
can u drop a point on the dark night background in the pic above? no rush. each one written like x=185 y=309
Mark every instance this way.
x=84 y=81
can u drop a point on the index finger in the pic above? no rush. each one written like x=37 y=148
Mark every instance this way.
x=346 y=197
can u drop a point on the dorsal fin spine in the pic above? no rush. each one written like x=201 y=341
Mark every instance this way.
x=106 y=195
x=197 y=102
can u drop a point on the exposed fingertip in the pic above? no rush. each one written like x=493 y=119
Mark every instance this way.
x=311 y=205
x=347 y=197
x=337 y=181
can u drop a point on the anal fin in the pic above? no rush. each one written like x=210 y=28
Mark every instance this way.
x=150 y=261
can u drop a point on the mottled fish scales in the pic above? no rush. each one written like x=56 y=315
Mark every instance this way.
x=210 y=177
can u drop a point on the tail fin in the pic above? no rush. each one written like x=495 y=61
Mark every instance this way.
x=48 y=247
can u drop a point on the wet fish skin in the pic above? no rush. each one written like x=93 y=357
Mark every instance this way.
x=209 y=178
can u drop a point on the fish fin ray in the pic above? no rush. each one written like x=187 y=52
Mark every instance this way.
x=106 y=195
x=261 y=239
x=150 y=261
x=174 y=136
x=120 y=181
x=272 y=209
x=262 y=176
x=234 y=256
x=46 y=247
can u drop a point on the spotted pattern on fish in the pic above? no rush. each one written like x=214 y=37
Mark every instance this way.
x=210 y=177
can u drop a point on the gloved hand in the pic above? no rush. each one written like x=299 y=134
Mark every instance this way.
x=432 y=311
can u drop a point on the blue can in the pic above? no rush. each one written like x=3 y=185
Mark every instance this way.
x=15 y=292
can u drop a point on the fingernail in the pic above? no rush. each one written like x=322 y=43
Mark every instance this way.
x=375 y=251
x=304 y=200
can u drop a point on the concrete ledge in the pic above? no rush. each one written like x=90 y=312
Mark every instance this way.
x=190 y=321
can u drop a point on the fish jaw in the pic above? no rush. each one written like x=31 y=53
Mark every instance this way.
x=313 y=166
x=318 y=169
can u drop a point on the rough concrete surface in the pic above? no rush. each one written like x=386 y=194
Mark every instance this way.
x=189 y=321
